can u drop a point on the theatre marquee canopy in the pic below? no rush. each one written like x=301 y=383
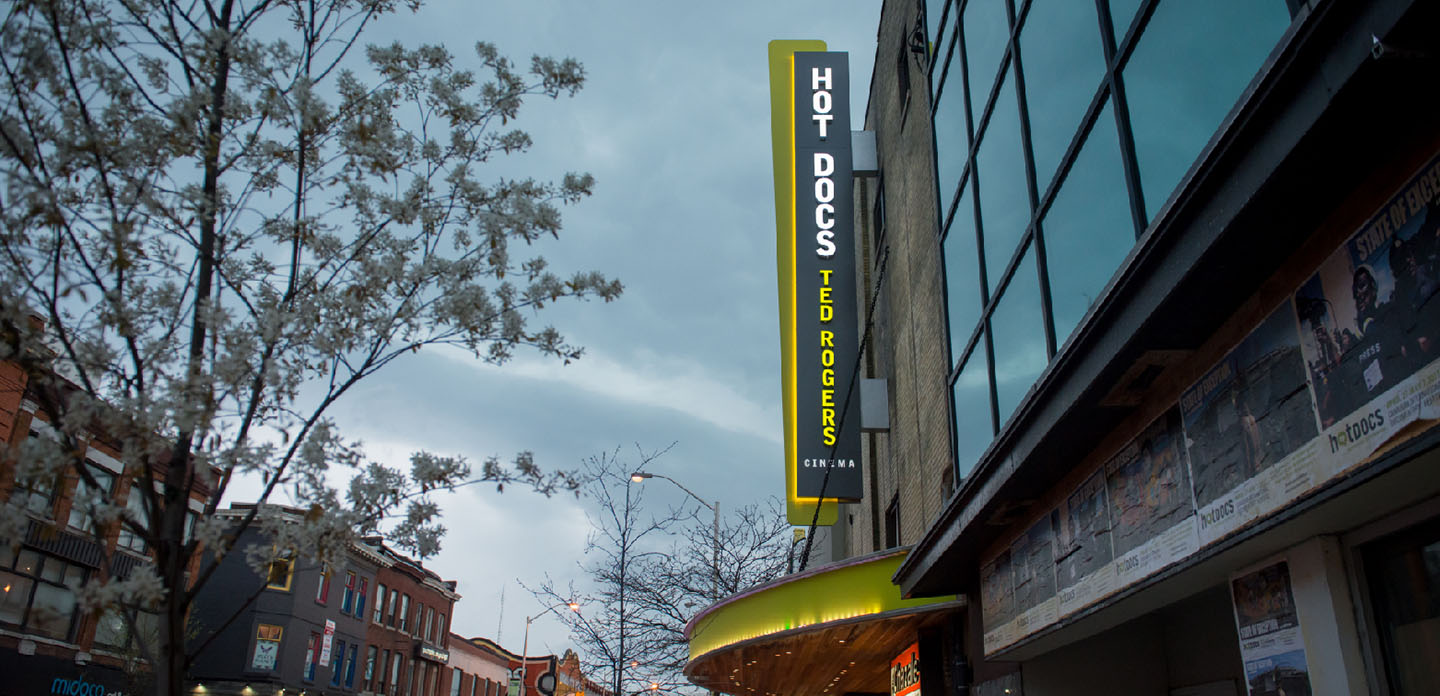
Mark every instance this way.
x=830 y=630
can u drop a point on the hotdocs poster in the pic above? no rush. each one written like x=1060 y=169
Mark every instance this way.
x=1370 y=325
x=1083 y=568
x=1152 y=514
x=997 y=603
x=1270 y=643
x=1032 y=557
x=1250 y=430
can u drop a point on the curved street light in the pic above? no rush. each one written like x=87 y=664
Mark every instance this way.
x=525 y=645
x=639 y=476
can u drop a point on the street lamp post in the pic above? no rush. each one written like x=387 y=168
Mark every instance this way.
x=624 y=546
x=525 y=644
x=714 y=533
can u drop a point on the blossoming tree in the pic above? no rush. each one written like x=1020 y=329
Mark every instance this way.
x=217 y=218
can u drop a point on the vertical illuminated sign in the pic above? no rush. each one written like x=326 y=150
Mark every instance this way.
x=816 y=259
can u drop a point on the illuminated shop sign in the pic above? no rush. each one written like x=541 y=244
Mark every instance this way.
x=431 y=652
x=905 y=672
x=816 y=260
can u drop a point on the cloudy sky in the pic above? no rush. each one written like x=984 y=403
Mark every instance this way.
x=674 y=124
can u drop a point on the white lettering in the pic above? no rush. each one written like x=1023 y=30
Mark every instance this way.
x=824 y=121
x=824 y=189
x=817 y=79
x=826 y=241
x=824 y=164
x=821 y=220
x=821 y=101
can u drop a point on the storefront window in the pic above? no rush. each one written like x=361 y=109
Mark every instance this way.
x=36 y=594
x=1404 y=577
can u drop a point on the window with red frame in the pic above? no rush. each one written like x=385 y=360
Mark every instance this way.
x=348 y=599
x=322 y=592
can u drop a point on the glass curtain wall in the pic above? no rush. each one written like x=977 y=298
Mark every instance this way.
x=1062 y=127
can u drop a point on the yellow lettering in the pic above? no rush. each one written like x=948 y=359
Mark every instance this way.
x=827 y=378
x=828 y=436
x=827 y=339
x=827 y=416
x=825 y=295
x=827 y=312
x=825 y=277
x=827 y=358
x=827 y=397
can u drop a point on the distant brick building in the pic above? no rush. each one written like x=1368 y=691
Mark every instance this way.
x=478 y=668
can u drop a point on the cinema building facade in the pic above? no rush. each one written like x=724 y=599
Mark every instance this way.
x=1159 y=325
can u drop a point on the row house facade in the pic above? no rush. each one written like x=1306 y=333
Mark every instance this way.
x=408 y=635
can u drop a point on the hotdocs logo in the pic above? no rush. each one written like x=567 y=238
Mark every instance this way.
x=1353 y=431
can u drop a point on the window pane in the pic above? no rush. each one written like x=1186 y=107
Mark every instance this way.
x=110 y=629
x=53 y=570
x=951 y=142
x=1004 y=200
x=1404 y=574
x=339 y=663
x=986 y=31
x=1122 y=12
x=29 y=563
x=1189 y=67
x=1088 y=230
x=973 y=428
x=933 y=10
x=87 y=496
x=14 y=596
x=1064 y=64
x=1019 y=333
x=962 y=277
x=51 y=611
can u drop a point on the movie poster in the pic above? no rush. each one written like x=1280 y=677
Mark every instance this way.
x=1250 y=430
x=1033 y=558
x=1269 y=628
x=997 y=603
x=1370 y=325
x=1152 y=513
x=1084 y=570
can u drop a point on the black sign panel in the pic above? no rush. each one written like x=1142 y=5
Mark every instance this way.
x=42 y=675
x=826 y=318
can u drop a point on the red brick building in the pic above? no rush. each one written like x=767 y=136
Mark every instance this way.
x=407 y=649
